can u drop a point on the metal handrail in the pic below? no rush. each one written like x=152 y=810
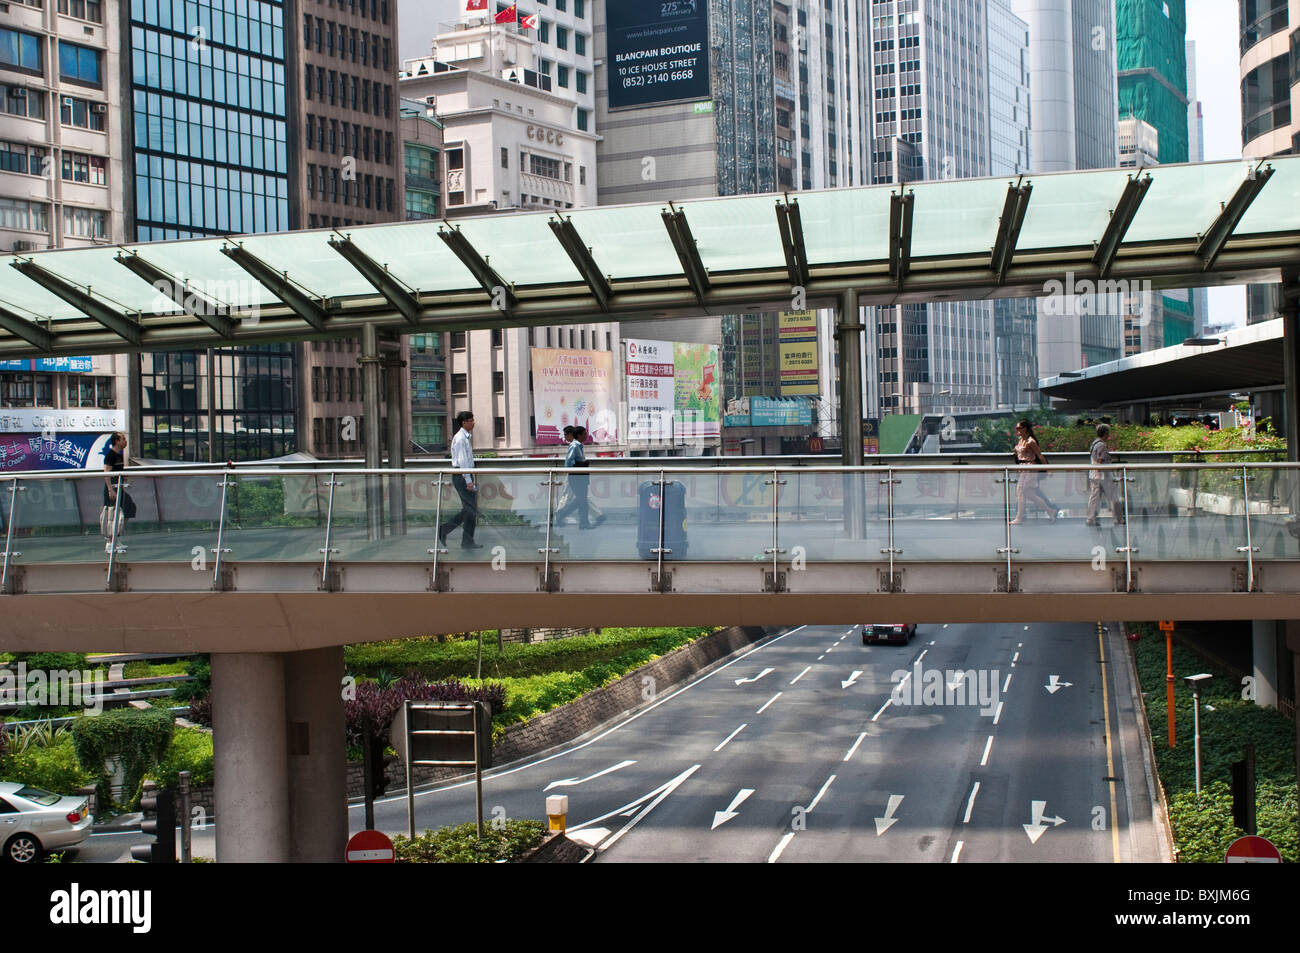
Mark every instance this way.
x=329 y=526
x=221 y=527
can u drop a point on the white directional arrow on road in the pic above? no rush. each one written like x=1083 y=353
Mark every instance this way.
x=852 y=678
x=956 y=682
x=1053 y=684
x=1035 y=830
x=570 y=782
x=885 y=823
x=746 y=681
x=721 y=817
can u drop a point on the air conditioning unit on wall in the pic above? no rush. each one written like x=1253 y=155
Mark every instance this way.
x=24 y=244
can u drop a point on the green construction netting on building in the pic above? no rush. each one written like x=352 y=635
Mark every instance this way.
x=896 y=431
x=1152 y=59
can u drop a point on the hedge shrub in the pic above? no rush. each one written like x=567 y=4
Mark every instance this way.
x=140 y=737
x=54 y=767
x=462 y=845
x=190 y=750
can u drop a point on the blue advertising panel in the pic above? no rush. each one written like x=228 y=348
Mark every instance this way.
x=658 y=52
x=771 y=412
x=61 y=365
x=67 y=451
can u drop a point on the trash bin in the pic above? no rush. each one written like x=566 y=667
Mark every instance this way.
x=674 y=516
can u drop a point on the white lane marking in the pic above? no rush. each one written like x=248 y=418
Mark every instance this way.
x=832 y=648
x=945 y=625
x=1026 y=628
x=822 y=656
x=888 y=702
x=921 y=656
x=801 y=675
x=1016 y=657
x=590 y=741
x=768 y=702
x=573 y=782
x=721 y=817
x=1006 y=683
x=854 y=749
x=956 y=851
x=988 y=746
x=932 y=641
x=730 y=736
x=970 y=804
x=780 y=847
x=997 y=714
x=852 y=630
x=1020 y=645
x=819 y=794
x=669 y=788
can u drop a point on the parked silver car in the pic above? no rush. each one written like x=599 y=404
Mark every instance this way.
x=34 y=822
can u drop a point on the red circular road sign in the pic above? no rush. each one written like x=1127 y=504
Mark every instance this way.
x=1252 y=850
x=370 y=847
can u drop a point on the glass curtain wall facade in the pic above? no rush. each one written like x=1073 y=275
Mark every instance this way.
x=211 y=154
x=929 y=74
x=1015 y=320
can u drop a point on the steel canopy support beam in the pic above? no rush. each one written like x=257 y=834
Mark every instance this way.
x=210 y=312
x=900 y=235
x=478 y=266
x=688 y=253
x=380 y=279
x=790 y=223
x=1121 y=217
x=279 y=284
x=372 y=410
x=1013 y=217
x=580 y=255
x=1216 y=236
x=30 y=332
x=116 y=322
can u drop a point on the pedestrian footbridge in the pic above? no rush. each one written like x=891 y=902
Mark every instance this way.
x=274 y=560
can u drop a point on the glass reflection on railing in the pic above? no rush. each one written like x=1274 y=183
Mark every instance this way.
x=958 y=515
x=1179 y=514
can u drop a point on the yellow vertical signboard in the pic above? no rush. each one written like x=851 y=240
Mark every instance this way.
x=798 y=343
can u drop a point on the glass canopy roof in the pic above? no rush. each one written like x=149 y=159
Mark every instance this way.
x=1233 y=216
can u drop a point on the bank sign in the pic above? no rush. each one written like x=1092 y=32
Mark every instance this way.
x=658 y=52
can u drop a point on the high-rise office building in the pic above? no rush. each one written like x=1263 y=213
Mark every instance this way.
x=930 y=92
x=61 y=186
x=1151 y=47
x=252 y=116
x=1073 y=89
x=509 y=139
x=1015 y=320
x=1270 y=103
x=1196 y=153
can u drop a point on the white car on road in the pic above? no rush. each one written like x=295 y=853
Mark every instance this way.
x=34 y=822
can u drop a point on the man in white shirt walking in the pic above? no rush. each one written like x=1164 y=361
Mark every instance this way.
x=462 y=458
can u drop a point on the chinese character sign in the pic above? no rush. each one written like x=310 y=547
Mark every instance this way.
x=698 y=410
x=574 y=388
x=650 y=380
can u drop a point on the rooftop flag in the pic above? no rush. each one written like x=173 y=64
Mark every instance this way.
x=509 y=15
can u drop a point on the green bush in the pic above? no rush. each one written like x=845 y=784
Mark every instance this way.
x=462 y=845
x=53 y=767
x=199 y=669
x=52 y=660
x=140 y=737
x=438 y=661
x=1203 y=828
x=190 y=750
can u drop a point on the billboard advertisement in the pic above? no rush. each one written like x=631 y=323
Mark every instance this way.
x=698 y=410
x=574 y=387
x=798 y=337
x=66 y=451
x=658 y=52
x=769 y=412
x=650 y=382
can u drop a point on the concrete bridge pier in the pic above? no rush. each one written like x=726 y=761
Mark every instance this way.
x=279 y=756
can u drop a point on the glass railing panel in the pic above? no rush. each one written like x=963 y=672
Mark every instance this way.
x=832 y=516
x=1274 y=504
x=1185 y=514
x=275 y=517
x=618 y=510
x=957 y=515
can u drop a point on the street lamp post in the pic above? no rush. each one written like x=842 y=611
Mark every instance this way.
x=1194 y=682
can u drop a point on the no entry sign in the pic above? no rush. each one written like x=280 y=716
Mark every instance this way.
x=1252 y=850
x=370 y=847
